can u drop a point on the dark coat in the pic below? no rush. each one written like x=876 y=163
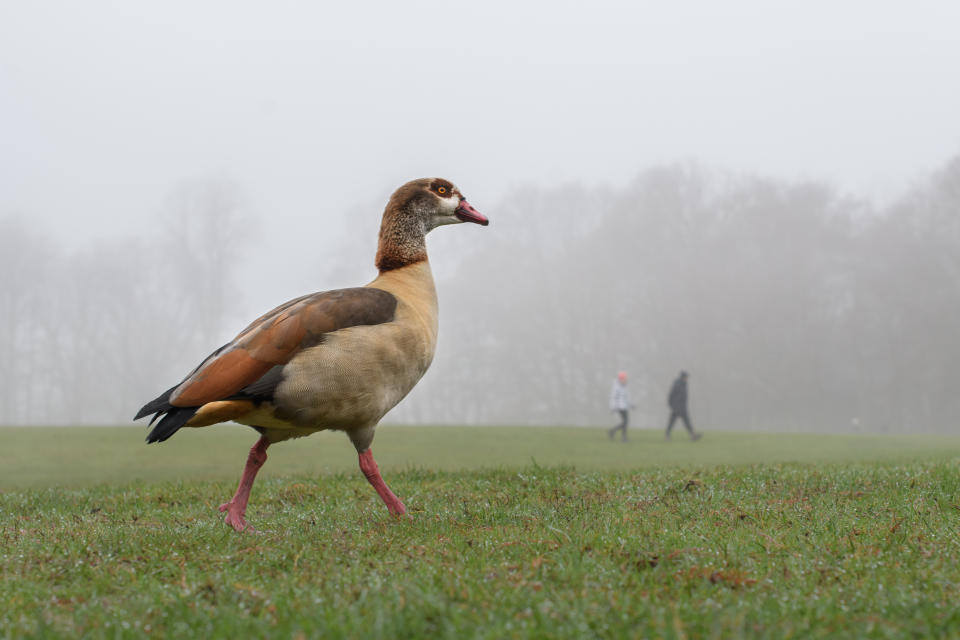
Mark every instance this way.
x=678 y=395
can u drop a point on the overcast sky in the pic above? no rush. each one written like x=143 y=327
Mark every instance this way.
x=313 y=108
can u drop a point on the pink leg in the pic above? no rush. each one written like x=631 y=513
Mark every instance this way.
x=237 y=507
x=369 y=467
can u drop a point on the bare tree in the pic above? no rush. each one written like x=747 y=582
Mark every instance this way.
x=203 y=236
x=28 y=262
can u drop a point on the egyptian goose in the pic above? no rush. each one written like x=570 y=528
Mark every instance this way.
x=332 y=360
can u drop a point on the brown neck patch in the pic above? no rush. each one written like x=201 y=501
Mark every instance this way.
x=402 y=230
x=392 y=256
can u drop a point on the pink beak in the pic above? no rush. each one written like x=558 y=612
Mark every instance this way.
x=467 y=213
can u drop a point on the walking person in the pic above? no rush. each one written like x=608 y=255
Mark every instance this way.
x=677 y=400
x=620 y=403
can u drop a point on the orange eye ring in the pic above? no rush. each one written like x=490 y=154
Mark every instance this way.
x=441 y=190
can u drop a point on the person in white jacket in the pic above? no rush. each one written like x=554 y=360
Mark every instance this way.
x=620 y=403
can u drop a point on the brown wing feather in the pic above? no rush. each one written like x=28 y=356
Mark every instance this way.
x=278 y=336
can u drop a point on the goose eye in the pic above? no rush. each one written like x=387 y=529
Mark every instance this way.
x=441 y=190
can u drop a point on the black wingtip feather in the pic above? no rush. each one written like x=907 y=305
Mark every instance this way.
x=175 y=418
x=145 y=411
x=161 y=403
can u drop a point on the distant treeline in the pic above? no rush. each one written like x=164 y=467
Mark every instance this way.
x=86 y=335
x=792 y=306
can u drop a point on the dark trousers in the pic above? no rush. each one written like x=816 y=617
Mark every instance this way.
x=624 y=419
x=674 y=414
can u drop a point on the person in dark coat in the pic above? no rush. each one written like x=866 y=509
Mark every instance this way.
x=677 y=400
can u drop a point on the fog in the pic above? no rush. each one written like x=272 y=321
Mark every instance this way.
x=765 y=196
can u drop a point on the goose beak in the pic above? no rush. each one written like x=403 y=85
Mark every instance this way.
x=467 y=213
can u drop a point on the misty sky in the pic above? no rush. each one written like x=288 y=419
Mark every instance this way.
x=313 y=108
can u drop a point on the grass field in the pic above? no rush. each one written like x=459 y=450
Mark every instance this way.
x=73 y=457
x=513 y=533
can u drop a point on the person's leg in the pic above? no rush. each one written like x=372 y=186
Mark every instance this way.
x=625 y=418
x=621 y=426
x=673 y=417
x=686 y=422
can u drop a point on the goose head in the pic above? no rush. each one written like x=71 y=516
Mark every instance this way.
x=413 y=211
x=432 y=202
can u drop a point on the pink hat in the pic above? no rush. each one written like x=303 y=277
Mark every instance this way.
x=622 y=376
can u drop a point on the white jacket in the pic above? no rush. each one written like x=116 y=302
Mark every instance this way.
x=619 y=398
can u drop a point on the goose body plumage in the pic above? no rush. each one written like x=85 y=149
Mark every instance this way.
x=337 y=359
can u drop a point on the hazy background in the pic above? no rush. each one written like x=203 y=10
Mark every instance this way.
x=765 y=194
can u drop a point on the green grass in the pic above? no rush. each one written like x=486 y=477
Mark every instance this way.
x=737 y=535
x=72 y=456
